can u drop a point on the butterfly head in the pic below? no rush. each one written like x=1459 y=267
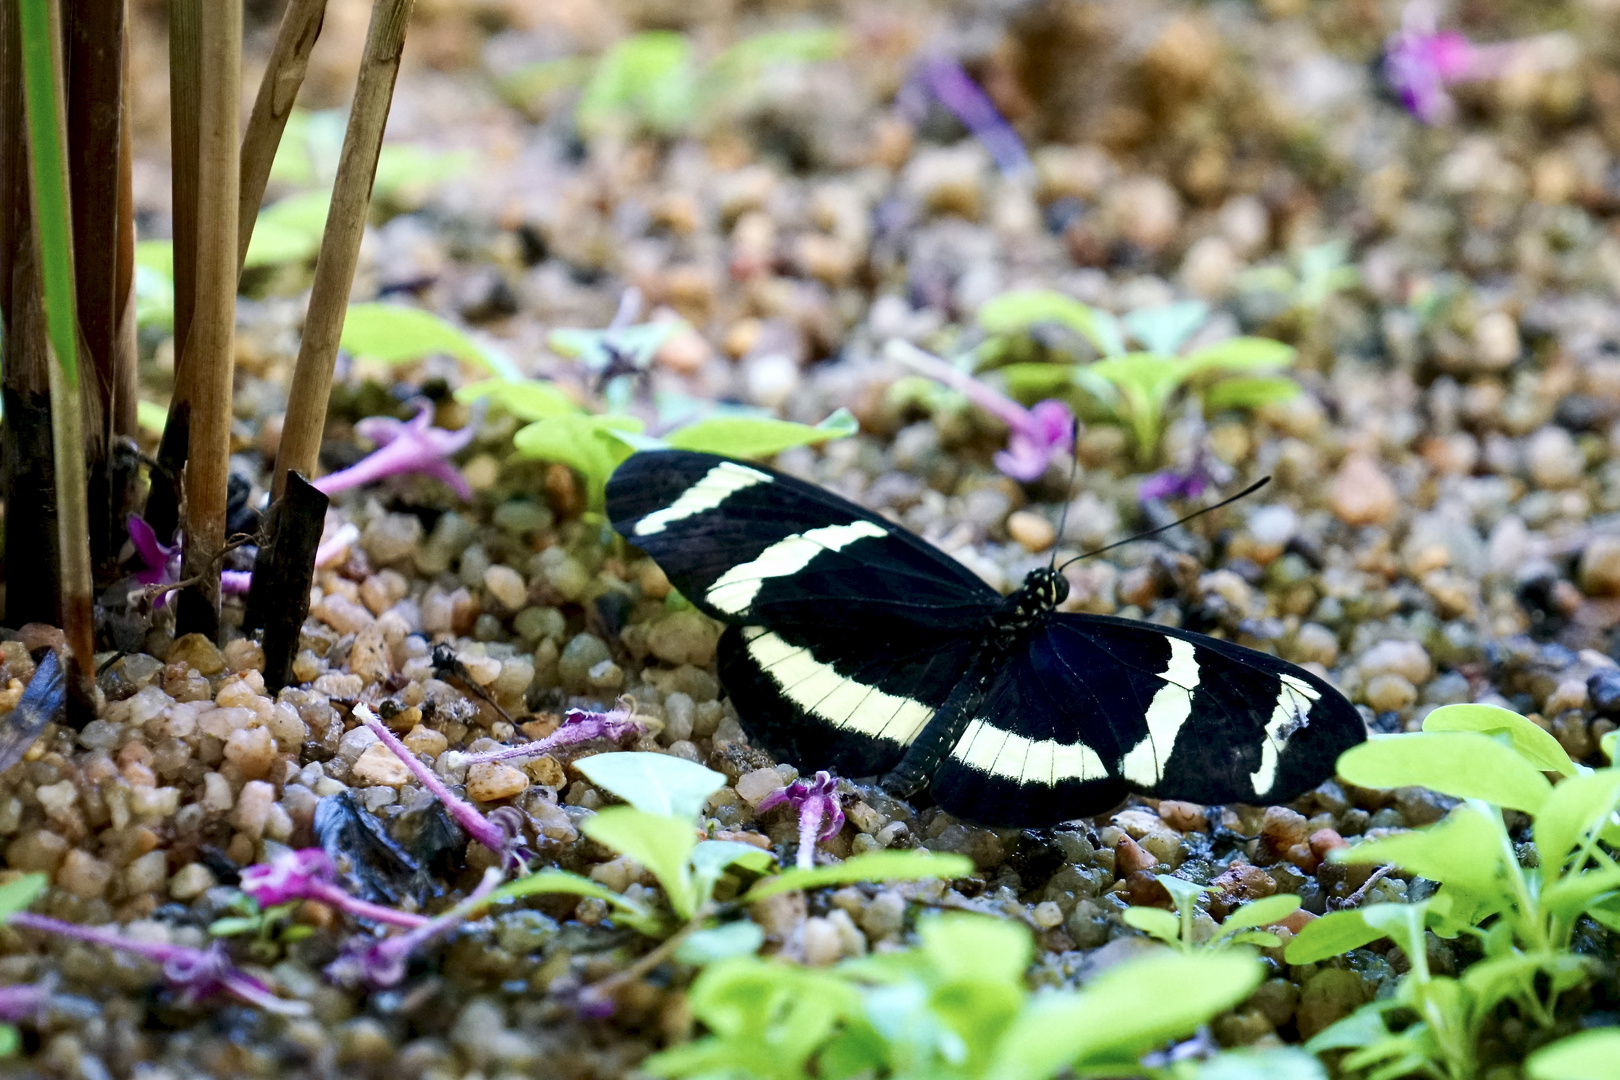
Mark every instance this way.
x=1043 y=590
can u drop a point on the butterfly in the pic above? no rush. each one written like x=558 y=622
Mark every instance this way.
x=854 y=645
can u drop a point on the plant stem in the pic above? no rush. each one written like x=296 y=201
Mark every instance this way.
x=340 y=243
x=212 y=345
x=53 y=234
x=278 y=91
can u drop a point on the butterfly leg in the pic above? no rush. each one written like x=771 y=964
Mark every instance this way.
x=921 y=761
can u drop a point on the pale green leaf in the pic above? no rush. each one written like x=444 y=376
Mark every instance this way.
x=703 y=947
x=1535 y=745
x=654 y=783
x=1020 y=311
x=156 y=255
x=976 y=948
x=1240 y=354
x=583 y=443
x=1165 y=328
x=661 y=844
x=757 y=437
x=1249 y=393
x=9 y=1040
x=1464 y=850
x=396 y=334
x=1589 y=1055
x=1157 y=922
x=526 y=399
x=1334 y=934
x=16 y=895
x=873 y=866
x=1272 y=1063
x=1576 y=807
x=1364 y=1027
x=1571 y=894
x=711 y=858
x=410 y=167
x=151 y=416
x=1264 y=912
x=1464 y=764
x=647 y=79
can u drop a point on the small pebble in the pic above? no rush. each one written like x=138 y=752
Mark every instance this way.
x=379 y=765
x=1031 y=530
x=1360 y=493
x=489 y=781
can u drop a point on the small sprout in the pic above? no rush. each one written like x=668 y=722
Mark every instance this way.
x=406 y=446
x=382 y=963
x=501 y=831
x=197 y=974
x=945 y=81
x=821 y=814
x=1036 y=435
x=579 y=725
x=308 y=874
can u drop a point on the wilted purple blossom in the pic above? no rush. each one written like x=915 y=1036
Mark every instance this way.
x=579 y=725
x=197 y=974
x=160 y=564
x=943 y=79
x=501 y=832
x=308 y=874
x=405 y=446
x=1421 y=61
x=382 y=963
x=821 y=814
x=1036 y=435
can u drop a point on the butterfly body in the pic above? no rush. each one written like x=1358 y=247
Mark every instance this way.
x=854 y=645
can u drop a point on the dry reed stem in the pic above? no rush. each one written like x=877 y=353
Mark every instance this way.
x=340 y=244
x=211 y=346
x=278 y=91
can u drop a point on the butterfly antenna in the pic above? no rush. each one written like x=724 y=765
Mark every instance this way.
x=1068 y=493
x=1250 y=490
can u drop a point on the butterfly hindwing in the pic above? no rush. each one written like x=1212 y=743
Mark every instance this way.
x=850 y=701
x=747 y=544
x=1097 y=706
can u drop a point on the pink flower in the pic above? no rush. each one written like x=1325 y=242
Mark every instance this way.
x=578 y=726
x=197 y=973
x=406 y=446
x=160 y=564
x=821 y=814
x=308 y=874
x=1036 y=435
x=1421 y=61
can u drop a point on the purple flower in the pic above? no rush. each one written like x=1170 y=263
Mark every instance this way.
x=1036 y=435
x=197 y=974
x=24 y=1001
x=579 y=725
x=160 y=565
x=308 y=874
x=944 y=79
x=1421 y=61
x=406 y=446
x=821 y=814
x=501 y=832
x=1188 y=481
x=382 y=963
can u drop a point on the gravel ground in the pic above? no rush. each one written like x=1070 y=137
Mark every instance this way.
x=1441 y=528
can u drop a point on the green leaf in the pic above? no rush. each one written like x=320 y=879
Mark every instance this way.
x=1265 y=911
x=1240 y=354
x=396 y=334
x=1571 y=894
x=583 y=443
x=1334 y=934
x=1610 y=745
x=1606 y=911
x=1166 y=328
x=526 y=399
x=757 y=437
x=646 y=79
x=151 y=416
x=1590 y=1055
x=403 y=167
x=1031 y=382
x=597 y=349
x=1249 y=393
x=1536 y=746
x=873 y=866
x=1464 y=764
x=1364 y=1027
x=661 y=844
x=703 y=947
x=1123 y=1013
x=711 y=858
x=1185 y=893
x=232 y=926
x=1018 y=312
x=1264 y=939
x=1463 y=851
x=16 y=895
x=1156 y=922
x=1272 y=1063
x=1576 y=807
x=752 y=55
x=976 y=948
x=289 y=230
x=157 y=256
x=654 y=783
x=9 y=1040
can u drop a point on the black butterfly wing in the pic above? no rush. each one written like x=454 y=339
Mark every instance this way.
x=1095 y=707
x=851 y=700
x=749 y=545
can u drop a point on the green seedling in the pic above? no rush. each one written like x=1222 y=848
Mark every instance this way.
x=16 y=896
x=1523 y=916
x=703 y=881
x=1242 y=926
x=1318 y=273
x=272 y=928
x=1135 y=388
x=955 y=1006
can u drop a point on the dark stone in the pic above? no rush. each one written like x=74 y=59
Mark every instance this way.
x=1603 y=689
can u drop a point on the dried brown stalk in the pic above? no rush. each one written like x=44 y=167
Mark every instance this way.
x=210 y=348
x=340 y=244
x=283 y=76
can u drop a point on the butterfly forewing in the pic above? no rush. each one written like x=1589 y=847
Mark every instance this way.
x=746 y=543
